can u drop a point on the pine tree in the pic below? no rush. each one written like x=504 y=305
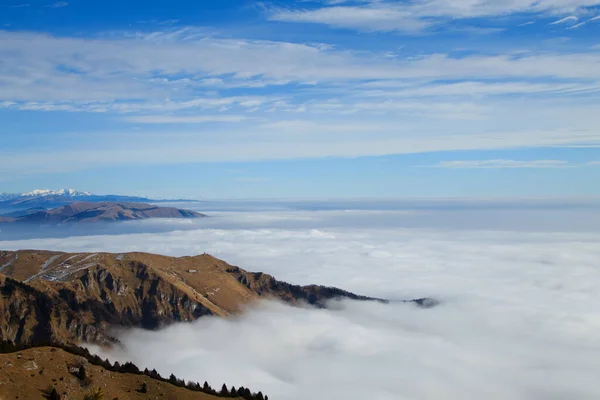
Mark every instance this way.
x=224 y=390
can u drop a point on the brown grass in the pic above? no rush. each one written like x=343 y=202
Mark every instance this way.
x=52 y=371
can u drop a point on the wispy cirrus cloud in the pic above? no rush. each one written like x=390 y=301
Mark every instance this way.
x=170 y=119
x=296 y=100
x=418 y=16
x=364 y=18
x=494 y=164
x=150 y=67
x=501 y=163
x=285 y=140
x=596 y=18
x=162 y=106
x=474 y=88
x=571 y=19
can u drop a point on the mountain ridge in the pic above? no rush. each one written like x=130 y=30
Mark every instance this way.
x=49 y=198
x=95 y=212
x=79 y=297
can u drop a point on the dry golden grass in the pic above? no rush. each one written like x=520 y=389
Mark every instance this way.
x=27 y=374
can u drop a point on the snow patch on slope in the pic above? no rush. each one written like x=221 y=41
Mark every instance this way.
x=44 y=267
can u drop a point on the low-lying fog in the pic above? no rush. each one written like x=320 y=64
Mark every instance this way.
x=519 y=318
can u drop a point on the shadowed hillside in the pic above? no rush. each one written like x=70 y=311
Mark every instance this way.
x=97 y=212
x=63 y=373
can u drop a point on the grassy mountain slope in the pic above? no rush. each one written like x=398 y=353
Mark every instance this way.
x=29 y=374
x=76 y=297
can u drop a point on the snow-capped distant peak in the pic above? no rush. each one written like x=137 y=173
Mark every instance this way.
x=60 y=192
x=37 y=192
x=72 y=192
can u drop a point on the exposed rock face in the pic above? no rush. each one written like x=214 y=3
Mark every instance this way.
x=267 y=286
x=29 y=315
x=70 y=298
x=103 y=211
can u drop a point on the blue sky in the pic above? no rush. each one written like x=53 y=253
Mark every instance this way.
x=323 y=98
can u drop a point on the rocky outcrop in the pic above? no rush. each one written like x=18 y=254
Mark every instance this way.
x=29 y=315
x=266 y=285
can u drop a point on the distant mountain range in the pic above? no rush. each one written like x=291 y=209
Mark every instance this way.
x=44 y=193
x=59 y=192
x=95 y=212
x=43 y=199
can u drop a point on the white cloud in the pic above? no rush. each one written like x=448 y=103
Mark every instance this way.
x=230 y=217
x=417 y=16
x=365 y=18
x=283 y=140
x=499 y=163
x=379 y=352
x=441 y=110
x=518 y=317
x=126 y=69
x=569 y=19
x=200 y=119
x=392 y=88
x=502 y=164
x=221 y=103
x=585 y=22
x=579 y=25
x=385 y=105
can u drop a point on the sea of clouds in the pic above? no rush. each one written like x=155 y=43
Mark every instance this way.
x=519 y=316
